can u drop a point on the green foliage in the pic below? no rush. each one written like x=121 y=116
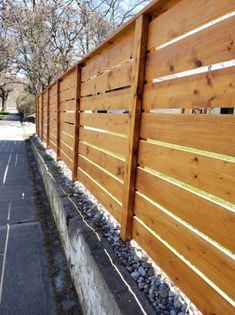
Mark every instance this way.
x=26 y=103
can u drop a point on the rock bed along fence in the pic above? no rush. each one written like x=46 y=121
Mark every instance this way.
x=122 y=120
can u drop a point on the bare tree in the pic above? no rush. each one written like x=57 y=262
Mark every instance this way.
x=116 y=12
x=7 y=52
x=50 y=35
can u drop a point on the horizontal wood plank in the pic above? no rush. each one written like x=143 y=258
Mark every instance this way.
x=113 y=100
x=184 y=17
x=68 y=105
x=68 y=81
x=119 y=52
x=52 y=90
x=190 y=207
x=66 y=149
x=205 y=90
x=213 y=133
x=67 y=139
x=68 y=94
x=53 y=116
x=194 y=51
x=66 y=160
x=44 y=97
x=53 y=99
x=67 y=128
x=113 y=79
x=67 y=117
x=106 y=200
x=105 y=141
x=201 y=293
x=104 y=179
x=210 y=174
x=53 y=137
x=214 y=264
x=53 y=126
x=110 y=122
x=106 y=161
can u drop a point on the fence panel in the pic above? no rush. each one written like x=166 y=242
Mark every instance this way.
x=184 y=200
x=104 y=119
x=118 y=120
x=45 y=115
x=53 y=117
x=67 y=105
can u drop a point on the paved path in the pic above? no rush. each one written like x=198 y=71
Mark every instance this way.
x=25 y=287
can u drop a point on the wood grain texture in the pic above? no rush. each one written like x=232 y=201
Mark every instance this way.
x=207 y=132
x=190 y=207
x=103 y=159
x=118 y=52
x=76 y=123
x=194 y=51
x=105 y=199
x=67 y=128
x=53 y=117
x=66 y=160
x=205 y=90
x=210 y=174
x=107 y=69
x=107 y=181
x=184 y=17
x=67 y=117
x=118 y=100
x=137 y=83
x=48 y=118
x=39 y=116
x=201 y=293
x=68 y=81
x=67 y=150
x=68 y=105
x=68 y=94
x=53 y=138
x=112 y=79
x=110 y=122
x=212 y=262
x=53 y=99
x=53 y=91
x=67 y=139
x=58 y=119
x=105 y=141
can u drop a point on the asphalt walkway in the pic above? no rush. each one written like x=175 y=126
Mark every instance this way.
x=25 y=287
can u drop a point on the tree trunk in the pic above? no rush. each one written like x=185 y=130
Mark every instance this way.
x=4 y=102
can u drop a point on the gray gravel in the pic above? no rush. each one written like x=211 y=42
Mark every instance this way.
x=164 y=296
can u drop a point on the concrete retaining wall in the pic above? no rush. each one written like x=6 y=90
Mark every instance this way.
x=103 y=286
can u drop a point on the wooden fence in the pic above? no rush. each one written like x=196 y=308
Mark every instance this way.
x=121 y=119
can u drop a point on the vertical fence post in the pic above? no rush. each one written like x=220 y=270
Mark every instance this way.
x=48 y=118
x=42 y=116
x=77 y=124
x=137 y=84
x=58 y=118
